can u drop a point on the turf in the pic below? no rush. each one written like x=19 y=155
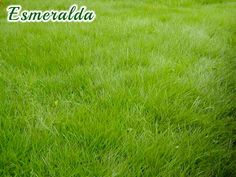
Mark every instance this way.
x=147 y=89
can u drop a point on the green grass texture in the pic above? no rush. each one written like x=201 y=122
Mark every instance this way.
x=147 y=89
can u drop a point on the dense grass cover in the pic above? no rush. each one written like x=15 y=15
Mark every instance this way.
x=147 y=89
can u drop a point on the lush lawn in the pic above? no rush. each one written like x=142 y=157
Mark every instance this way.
x=147 y=89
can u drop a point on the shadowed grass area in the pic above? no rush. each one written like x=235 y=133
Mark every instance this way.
x=147 y=89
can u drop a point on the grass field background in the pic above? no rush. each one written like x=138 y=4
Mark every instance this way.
x=147 y=89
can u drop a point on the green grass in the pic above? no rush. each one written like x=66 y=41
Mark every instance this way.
x=147 y=89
